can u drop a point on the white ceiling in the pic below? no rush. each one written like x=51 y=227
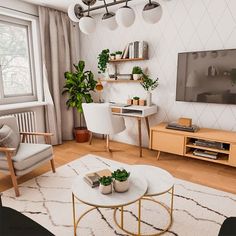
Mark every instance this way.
x=63 y=4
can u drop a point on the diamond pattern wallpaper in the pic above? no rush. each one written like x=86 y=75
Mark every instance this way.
x=186 y=25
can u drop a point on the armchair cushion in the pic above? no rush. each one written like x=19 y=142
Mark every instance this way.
x=28 y=155
x=8 y=138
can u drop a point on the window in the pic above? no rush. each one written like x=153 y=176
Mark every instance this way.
x=17 y=80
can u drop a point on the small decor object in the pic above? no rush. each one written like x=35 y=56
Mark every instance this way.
x=129 y=101
x=137 y=72
x=103 y=59
x=185 y=121
x=142 y=102
x=149 y=85
x=113 y=56
x=105 y=186
x=121 y=180
x=135 y=101
x=78 y=86
x=118 y=55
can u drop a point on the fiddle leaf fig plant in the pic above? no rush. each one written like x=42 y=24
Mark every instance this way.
x=120 y=175
x=103 y=59
x=78 y=86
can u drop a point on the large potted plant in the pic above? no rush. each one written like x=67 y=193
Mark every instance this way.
x=149 y=85
x=78 y=86
x=103 y=59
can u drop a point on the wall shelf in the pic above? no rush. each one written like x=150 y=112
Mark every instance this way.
x=120 y=81
x=127 y=59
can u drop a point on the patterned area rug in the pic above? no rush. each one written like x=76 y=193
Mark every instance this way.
x=198 y=210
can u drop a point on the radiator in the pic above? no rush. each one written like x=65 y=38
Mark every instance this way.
x=27 y=123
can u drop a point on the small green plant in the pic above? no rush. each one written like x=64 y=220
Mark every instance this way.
x=105 y=180
x=118 y=52
x=120 y=175
x=112 y=54
x=136 y=98
x=103 y=59
x=137 y=70
x=147 y=83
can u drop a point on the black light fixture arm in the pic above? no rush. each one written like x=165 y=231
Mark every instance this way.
x=106 y=5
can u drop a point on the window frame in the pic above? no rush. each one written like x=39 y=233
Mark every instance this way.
x=11 y=99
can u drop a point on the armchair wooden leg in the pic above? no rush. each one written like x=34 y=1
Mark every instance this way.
x=13 y=175
x=53 y=166
x=108 y=143
x=90 y=138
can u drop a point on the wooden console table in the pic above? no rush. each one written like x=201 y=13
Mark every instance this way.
x=137 y=112
x=182 y=143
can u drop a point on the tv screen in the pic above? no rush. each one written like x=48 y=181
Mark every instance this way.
x=207 y=76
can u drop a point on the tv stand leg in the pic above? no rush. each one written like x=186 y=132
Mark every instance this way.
x=158 y=154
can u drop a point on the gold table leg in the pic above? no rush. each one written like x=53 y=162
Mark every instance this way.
x=139 y=217
x=122 y=217
x=74 y=221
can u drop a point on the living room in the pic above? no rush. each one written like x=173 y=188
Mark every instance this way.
x=117 y=117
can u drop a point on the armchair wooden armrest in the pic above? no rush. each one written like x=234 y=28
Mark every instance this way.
x=47 y=136
x=7 y=150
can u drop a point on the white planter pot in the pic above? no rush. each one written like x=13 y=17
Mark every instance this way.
x=149 y=99
x=113 y=57
x=121 y=187
x=118 y=56
x=105 y=189
x=137 y=76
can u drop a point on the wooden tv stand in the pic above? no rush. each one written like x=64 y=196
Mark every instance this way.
x=182 y=143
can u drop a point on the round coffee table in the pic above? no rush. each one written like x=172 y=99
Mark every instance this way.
x=159 y=182
x=92 y=197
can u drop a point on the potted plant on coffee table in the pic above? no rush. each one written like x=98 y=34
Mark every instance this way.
x=78 y=86
x=105 y=186
x=137 y=72
x=121 y=180
x=149 y=85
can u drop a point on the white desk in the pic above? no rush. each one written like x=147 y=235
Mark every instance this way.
x=137 y=112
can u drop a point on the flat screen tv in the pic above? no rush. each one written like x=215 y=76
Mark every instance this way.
x=207 y=77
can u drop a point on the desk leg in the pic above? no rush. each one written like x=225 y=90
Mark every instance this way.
x=158 y=154
x=148 y=127
x=140 y=137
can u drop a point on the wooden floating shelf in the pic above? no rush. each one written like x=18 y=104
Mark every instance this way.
x=120 y=81
x=127 y=59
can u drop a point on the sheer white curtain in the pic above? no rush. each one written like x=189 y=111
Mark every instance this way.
x=60 y=47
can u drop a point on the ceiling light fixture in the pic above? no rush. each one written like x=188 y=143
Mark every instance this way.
x=152 y=12
x=108 y=19
x=125 y=16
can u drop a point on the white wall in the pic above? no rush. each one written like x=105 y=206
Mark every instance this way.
x=186 y=25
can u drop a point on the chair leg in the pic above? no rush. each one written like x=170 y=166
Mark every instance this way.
x=13 y=175
x=108 y=143
x=53 y=166
x=90 y=138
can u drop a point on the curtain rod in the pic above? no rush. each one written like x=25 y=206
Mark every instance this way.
x=8 y=8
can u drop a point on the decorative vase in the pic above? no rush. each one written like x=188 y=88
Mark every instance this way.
x=113 y=57
x=137 y=76
x=121 y=187
x=118 y=56
x=129 y=101
x=149 y=98
x=105 y=189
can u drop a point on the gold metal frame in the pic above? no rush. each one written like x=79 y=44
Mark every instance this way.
x=121 y=224
x=147 y=198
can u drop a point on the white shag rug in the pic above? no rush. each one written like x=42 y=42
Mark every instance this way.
x=198 y=210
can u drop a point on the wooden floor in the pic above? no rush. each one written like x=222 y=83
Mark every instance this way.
x=202 y=172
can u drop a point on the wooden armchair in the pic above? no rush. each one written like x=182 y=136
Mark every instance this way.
x=28 y=156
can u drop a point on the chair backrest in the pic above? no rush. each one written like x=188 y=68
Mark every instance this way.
x=11 y=122
x=99 y=119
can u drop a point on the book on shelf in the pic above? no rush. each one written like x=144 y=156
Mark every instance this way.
x=209 y=144
x=137 y=49
x=92 y=179
x=205 y=153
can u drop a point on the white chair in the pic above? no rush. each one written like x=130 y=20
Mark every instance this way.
x=100 y=120
x=28 y=156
